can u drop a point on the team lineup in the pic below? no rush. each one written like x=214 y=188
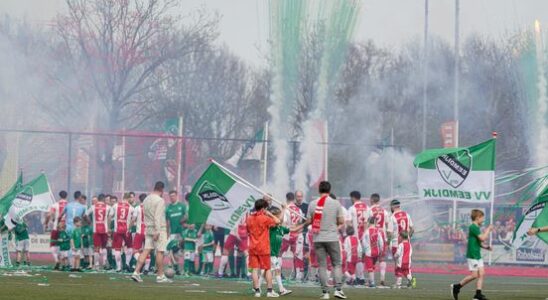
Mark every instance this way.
x=329 y=244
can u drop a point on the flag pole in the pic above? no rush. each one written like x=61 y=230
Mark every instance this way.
x=248 y=184
x=123 y=188
x=492 y=212
x=265 y=145
x=179 y=154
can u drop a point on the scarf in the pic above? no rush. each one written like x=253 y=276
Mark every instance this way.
x=318 y=214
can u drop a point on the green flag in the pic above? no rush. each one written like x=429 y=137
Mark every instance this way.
x=464 y=174
x=33 y=196
x=535 y=216
x=5 y=201
x=220 y=199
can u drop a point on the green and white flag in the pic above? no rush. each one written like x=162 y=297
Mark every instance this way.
x=250 y=150
x=33 y=196
x=536 y=216
x=220 y=199
x=463 y=174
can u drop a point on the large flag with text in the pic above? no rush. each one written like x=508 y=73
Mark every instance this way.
x=463 y=174
x=219 y=199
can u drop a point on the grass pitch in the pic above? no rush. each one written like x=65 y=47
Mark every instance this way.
x=45 y=284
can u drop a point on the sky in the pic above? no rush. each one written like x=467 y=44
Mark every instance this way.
x=390 y=23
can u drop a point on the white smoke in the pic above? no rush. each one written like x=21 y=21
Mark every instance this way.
x=542 y=142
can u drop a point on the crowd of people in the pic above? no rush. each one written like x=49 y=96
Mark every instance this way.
x=121 y=234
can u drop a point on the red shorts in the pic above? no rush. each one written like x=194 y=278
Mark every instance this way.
x=232 y=241
x=54 y=236
x=351 y=266
x=120 y=239
x=100 y=240
x=290 y=243
x=313 y=259
x=402 y=271
x=394 y=250
x=370 y=262
x=138 y=242
x=261 y=262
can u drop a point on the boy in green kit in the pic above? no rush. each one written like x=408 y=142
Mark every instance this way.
x=174 y=251
x=206 y=250
x=63 y=241
x=22 y=243
x=76 y=244
x=473 y=255
x=87 y=243
x=189 y=236
x=276 y=237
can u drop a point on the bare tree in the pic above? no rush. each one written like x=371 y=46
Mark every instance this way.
x=111 y=50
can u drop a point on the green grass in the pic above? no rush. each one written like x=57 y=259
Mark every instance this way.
x=58 y=285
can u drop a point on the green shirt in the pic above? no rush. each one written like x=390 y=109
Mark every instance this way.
x=87 y=236
x=174 y=214
x=474 y=242
x=21 y=232
x=63 y=241
x=173 y=245
x=190 y=234
x=207 y=238
x=77 y=237
x=276 y=236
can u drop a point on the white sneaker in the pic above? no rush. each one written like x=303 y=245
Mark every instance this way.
x=272 y=295
x=339 y=294
x=285 y=292
x=163 y=279
x=325 y=296
x=136 y=277
x=257 y=294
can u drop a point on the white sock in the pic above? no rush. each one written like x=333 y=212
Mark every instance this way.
x=55 y=254
x=103 y=256
x=129 y=253
x=147 y=264
x=359 y=270
x=118 y=258
x=280 y=284
x=398 y=281
x=383 y=270
x=222 y=265
x=409 y=276
x=372 y=277
x=96 y=258
x=247 y=264
x=299 y=275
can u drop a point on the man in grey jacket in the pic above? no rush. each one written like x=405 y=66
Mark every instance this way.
x=326 y=215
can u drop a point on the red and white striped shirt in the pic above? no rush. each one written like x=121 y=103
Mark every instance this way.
x=99 y=212
x=139 y=216
x=352 y=248
x=403 y=254
x=400 y=221
x=381 y=216
x=121 y=213
x=358 y=214
x=293 y=217
x=372 y=242
x=56 y=209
